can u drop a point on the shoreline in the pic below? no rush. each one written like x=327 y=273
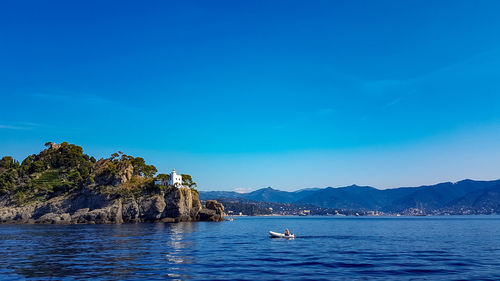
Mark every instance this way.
x=347 y=216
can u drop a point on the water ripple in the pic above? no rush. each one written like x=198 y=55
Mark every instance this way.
x=361 y=249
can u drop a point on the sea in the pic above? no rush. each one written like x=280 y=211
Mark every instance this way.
x=325 y=248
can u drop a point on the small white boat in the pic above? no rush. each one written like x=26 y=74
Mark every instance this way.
x=280 y=235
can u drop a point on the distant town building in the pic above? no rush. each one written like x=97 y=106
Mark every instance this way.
x=305 y=213
x=173 y=180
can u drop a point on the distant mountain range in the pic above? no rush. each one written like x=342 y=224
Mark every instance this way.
x=463 y=197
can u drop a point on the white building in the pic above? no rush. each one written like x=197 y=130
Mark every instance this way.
x=174 y=180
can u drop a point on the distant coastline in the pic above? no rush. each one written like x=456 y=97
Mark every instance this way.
x=467 y=197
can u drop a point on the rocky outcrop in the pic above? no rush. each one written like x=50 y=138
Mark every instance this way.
x=88 y=206
x=63 y=185
x=108 y=173
x=213 y=211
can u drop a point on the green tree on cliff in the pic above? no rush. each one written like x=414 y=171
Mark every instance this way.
x=60 y=168
x=7 y=162
x=140 y=167
x=163 y=177
x=187 y=180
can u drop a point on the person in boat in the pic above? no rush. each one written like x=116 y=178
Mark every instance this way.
x=287 y=232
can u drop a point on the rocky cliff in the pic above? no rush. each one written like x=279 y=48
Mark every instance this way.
x=61 y=185
x=171 y=205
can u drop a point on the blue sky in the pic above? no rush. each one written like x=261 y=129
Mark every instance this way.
x=249 y=94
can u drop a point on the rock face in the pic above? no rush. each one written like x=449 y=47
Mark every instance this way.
x=171 y=205
x=213 y=211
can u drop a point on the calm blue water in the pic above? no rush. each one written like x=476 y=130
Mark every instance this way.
x=417 y=248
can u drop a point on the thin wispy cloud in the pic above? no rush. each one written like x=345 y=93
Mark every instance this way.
x=242 y=190
x=82 y=99
x=391 y=93
x=9 y=127
x=465 y=65
x=19 y=126
x=393 y=102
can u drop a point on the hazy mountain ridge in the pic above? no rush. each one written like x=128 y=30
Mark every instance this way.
x=466 y=196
